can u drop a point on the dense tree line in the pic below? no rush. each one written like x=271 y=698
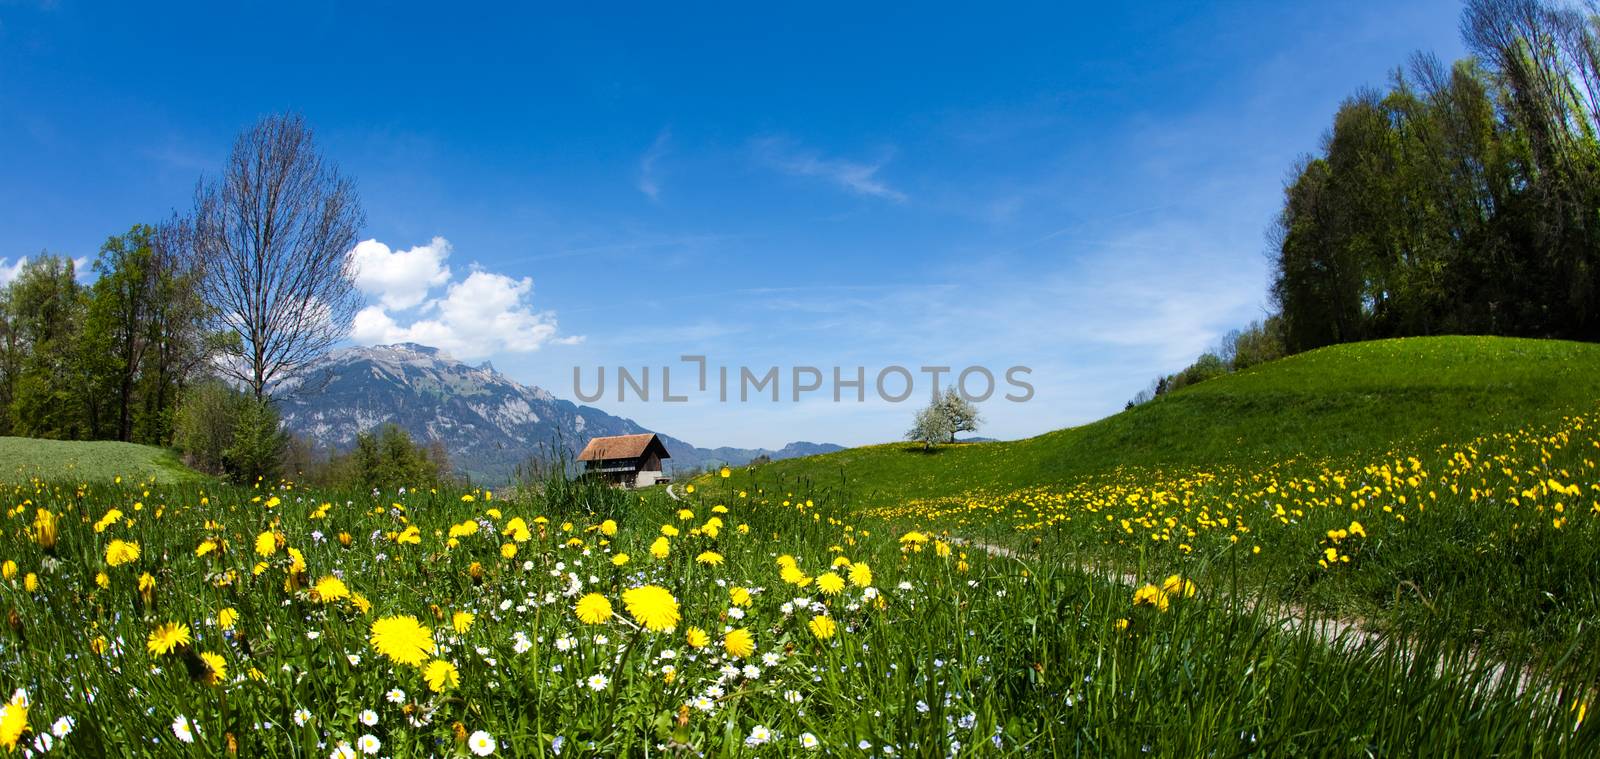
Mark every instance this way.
x=1461 y=199
x=105 y=361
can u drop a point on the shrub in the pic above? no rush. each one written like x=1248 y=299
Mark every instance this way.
x=204 y=424
x=257 y=448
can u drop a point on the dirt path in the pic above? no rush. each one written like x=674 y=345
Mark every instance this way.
x=1288 y=618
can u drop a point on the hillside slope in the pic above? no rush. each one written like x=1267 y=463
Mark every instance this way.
x=88 y=461
x=1342 y=399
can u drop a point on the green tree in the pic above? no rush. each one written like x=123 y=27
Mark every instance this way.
x=50 y=397
x=117 y=328
x=257 y=448
x=204 y=424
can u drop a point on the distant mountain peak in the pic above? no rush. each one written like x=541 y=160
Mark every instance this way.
x=488 y=422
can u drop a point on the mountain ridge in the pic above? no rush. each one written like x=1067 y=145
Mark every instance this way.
x=487 y=422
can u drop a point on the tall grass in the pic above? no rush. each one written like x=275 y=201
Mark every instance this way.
x=951 y=651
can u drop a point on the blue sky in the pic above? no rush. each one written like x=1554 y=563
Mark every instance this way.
x=1081 y=191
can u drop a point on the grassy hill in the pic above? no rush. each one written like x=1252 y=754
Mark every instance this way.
x=1337 y=400
x=98 y=460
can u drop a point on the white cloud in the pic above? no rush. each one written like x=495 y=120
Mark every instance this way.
x=859 y=178
x=400 y=279
x=82 y=269
x=8 y=273
x=482 y=315
x=649 y=183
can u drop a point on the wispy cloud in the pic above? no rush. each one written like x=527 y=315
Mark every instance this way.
x=649 y=180
x=857 y=177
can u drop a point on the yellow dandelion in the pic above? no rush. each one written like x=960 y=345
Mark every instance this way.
x=709 y=557
x=167 y=638
x=441 y=675
x=462 y=621
x=652 y=606
x=594 y=609
x=329 y=589
x=13 y=721
x=1177 y=585
x=696 y=638
x=830 y=583
x=403 y=639
x=120 y=552
x=216 y=668
x=822 y=627
x=739 y=643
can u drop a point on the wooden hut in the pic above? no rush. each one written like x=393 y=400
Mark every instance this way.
x=628 y=461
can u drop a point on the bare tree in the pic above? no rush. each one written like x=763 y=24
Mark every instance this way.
x=272 y=236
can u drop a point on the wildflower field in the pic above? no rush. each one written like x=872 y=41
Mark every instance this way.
x=580 y=621
x=1435 y=595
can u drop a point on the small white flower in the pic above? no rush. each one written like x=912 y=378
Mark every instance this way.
x=62 y=727
x=807 y=740
x=735 y=612
x=758 y=735
x=182 y=729
x=396 y=696
x=369 y=744
x=598 y=682
x=342 y=751
x=368 y=717
x=752 y=672
x=354 y=659
x=771 y=658
x=301 y=717
x=793 y=697
x=481 y=743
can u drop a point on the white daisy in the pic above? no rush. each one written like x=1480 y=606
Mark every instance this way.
x=481 y=743
x=182 y=729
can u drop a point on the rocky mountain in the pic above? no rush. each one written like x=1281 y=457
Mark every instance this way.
x=487 y=422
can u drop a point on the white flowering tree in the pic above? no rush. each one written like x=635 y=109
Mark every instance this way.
x=961 y=414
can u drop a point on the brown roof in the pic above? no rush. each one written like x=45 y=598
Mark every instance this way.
x=621 y=447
